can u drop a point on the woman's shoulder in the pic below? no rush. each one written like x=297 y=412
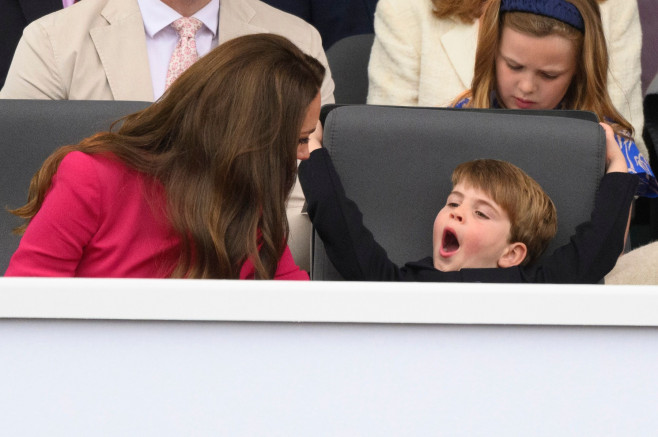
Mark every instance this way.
x=82 y=162
x=95 y=171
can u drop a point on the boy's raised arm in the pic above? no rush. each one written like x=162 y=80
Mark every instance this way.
x=596 y=245
x=350 y=245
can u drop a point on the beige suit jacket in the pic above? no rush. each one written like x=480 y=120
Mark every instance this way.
x=637 y=267
x=420 y=60
x=96 y=49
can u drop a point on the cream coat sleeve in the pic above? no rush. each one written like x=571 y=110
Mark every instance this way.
x=394 y=68
x=418 y=59
x=621 y=25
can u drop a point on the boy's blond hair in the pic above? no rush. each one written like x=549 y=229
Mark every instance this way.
x=531 y=212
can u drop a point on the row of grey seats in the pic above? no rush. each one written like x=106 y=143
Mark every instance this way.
x=395 y=162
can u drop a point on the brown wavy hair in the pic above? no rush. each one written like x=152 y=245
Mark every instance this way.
x=588 y=90
x=223 y=141
x=467 y=11
x=532 y=214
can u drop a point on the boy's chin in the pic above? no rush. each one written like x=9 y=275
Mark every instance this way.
x=442 y=266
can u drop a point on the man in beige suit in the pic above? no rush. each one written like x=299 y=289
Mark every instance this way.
x=97 y=50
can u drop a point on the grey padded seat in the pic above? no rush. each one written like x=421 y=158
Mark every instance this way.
x=30 y=130
x=396 y=163
x=348 y=60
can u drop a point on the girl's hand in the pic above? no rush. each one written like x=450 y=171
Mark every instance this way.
x=614 y=160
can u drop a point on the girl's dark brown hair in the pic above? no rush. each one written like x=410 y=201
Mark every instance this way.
x=223 y=141
x=588 y=90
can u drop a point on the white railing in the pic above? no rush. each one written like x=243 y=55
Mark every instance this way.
x=89 y=357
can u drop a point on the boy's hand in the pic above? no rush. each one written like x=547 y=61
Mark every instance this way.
x=315 y=140
x=614 y=160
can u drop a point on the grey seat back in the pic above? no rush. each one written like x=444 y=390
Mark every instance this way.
x=396 y=164
x=348 y=60
x=30 y=130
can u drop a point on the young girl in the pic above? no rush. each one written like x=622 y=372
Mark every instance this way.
x=195 y=186
x=424 y=53
x=536 y=54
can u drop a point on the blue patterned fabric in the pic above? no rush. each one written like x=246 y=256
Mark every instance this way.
x=639 y=165
x=635 y=161
x=558 y=9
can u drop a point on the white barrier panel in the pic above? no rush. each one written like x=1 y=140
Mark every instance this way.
x=406 y=359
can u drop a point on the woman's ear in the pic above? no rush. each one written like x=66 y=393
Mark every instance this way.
x=513 y=255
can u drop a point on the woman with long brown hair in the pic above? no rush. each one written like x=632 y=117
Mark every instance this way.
x=194 y=186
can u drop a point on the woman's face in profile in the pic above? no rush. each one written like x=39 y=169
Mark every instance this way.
x=308 y=127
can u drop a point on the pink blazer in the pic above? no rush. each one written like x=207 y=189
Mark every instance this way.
x=104 y=219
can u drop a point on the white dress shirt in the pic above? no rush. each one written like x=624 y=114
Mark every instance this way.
x=161 y=38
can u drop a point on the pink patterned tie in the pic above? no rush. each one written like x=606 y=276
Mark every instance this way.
x=185 y=53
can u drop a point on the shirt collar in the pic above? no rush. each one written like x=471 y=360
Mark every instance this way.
x=157 y=16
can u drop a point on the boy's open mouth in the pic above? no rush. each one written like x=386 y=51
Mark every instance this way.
x=449 y=243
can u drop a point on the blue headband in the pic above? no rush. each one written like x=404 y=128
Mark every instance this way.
x=558 y=9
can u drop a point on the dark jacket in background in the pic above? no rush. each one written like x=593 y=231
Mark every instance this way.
x=334 y=19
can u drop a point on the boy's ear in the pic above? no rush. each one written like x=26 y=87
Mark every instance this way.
x=513 y=255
